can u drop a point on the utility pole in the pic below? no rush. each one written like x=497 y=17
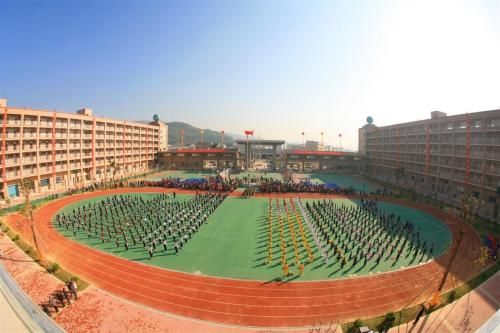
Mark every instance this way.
x=436 y=295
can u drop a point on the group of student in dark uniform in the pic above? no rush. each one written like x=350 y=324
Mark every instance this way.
x=270 y=185
x=60 y=297
x=161 y=223
x=211 y=183
x=356 y=235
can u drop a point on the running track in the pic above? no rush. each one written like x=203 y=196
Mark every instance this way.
x=251 y=303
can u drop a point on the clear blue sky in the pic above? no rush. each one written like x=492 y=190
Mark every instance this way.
x=279 y=68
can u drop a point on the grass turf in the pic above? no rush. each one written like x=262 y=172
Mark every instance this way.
x=342 y=180
x=180 y=174
x=234 y=244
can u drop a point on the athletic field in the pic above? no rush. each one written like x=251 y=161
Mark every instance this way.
x=342 y=180
x=180 y=174
x=233 y=243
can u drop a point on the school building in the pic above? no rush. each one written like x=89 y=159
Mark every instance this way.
x=324 y=161
x=198 y=159
x=446 y=157
x=63 y=150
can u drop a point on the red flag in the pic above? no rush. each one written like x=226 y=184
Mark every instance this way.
x=247 y=133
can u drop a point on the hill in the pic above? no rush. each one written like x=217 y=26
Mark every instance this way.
x=192 y=134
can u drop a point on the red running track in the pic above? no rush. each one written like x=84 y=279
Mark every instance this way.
x=252 y=303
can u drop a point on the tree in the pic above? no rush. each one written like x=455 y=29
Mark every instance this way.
x=27 y=186
x=114 y=167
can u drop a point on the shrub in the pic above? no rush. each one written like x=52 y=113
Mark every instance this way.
x=451 y=296
x=358 y=323
x=15 y=238
x=387 y=323
x=53 y=267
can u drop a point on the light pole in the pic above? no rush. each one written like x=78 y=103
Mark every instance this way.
x=340 y=141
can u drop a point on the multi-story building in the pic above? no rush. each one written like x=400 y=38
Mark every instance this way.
x=446 y=157
x=324 y=161
x=64 y=150
x=198 y=159
x=314 y=145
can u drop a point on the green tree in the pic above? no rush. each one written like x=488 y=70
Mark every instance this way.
x=27 y=186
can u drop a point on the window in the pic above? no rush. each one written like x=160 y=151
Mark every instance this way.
x=495 y=123
x=477 y=124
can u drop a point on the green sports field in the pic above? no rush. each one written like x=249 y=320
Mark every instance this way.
x=233 y=243
x=180 y=174
x=342 y=180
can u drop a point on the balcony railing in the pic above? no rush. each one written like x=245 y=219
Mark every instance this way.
x=12 y=135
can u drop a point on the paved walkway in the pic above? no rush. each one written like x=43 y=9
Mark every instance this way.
x=467 y=314
x=18 y=312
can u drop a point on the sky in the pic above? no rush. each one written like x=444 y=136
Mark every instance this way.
x=279 y=68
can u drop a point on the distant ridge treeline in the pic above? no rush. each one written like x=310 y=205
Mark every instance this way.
x=192 y=134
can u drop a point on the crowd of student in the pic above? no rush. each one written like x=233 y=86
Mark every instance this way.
x=212 y=183
x=270 y=185
x=362 y=233
x=159 y=224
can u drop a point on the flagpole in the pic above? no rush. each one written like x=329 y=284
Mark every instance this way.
x=260 y=148
x=246 y=156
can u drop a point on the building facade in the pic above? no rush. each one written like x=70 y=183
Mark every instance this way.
x=314 y=145
x=324 y=161
x=446 y=157
x=260 y=154
x=64 y=150
x=198 y=159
